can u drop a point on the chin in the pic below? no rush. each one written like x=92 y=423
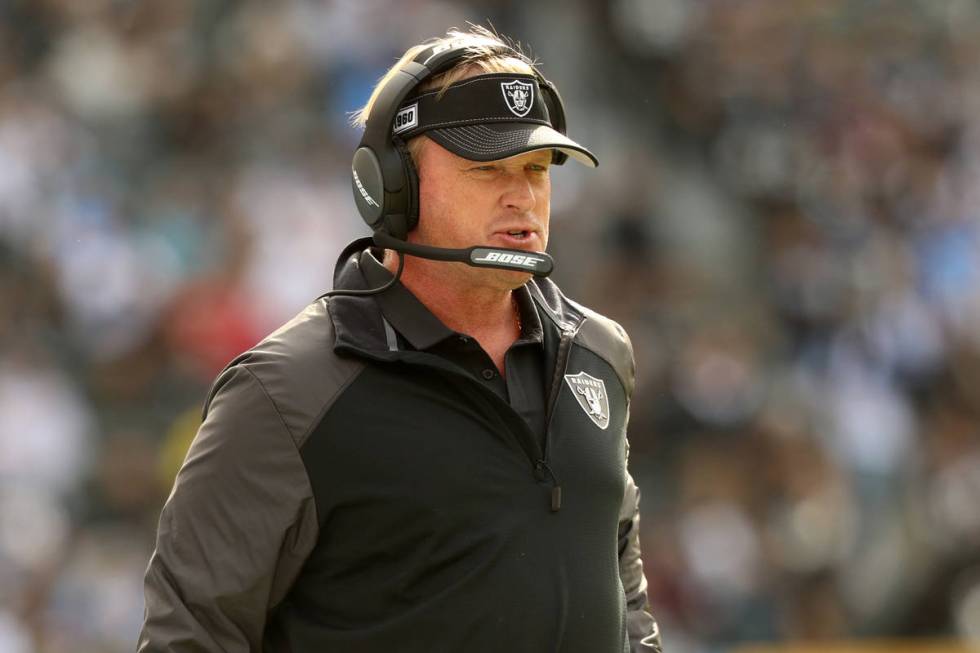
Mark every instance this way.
x=493 y=277
x=513 y=279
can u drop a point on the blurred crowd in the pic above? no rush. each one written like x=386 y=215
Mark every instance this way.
x=785 y=218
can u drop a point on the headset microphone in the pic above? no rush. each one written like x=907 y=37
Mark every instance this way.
x=501 y=258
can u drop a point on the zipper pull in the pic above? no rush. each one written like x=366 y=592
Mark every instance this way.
x=555 y=485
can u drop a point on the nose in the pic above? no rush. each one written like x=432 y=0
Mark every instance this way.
x=519 y=193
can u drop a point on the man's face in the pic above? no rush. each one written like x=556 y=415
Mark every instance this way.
x=503 y=203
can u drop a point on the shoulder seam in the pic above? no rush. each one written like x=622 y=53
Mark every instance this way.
x=329 y=403
x=605 y=359
x=272 y=401
x=300 y=438
x=299 y=455
x=619 y=339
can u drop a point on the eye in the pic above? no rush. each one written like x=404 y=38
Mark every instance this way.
x=484 y=168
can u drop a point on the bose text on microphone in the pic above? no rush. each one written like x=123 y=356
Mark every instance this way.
x=501 y=258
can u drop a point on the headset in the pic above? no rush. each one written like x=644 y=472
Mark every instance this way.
x=384 y=179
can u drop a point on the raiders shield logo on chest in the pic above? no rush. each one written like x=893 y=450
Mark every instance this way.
x=590 y=393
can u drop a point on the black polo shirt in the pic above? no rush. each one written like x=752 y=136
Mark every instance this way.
x=411 y=326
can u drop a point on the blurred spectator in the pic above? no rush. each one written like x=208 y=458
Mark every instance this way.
x=785 y=220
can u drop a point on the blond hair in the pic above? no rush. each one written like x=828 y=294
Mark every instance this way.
x=481 y=58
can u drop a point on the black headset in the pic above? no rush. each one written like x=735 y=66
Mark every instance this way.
x=383 y=176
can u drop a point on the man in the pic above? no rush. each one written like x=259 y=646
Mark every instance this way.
x=432 y=458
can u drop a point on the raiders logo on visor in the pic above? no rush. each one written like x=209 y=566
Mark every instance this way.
x=519 y=97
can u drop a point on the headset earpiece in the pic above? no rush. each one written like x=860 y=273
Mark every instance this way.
x=368 y=184
x=383 y=176
x=411 y=174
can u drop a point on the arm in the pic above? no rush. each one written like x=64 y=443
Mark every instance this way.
x=644 y=635
x=235 y=531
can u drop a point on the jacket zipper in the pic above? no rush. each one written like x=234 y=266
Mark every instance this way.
x=541 y=466
x=561 y=366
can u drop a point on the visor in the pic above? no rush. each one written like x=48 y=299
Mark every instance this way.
x=487 y=118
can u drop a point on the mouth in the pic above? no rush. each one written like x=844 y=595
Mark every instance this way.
x=516 y=237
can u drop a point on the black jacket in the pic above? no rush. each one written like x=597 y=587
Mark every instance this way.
x=344 y=494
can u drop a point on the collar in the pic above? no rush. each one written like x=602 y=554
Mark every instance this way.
x=416 y=323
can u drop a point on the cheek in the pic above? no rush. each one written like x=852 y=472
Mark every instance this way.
x=447 y=212
x=544 y=208
x=434 y=211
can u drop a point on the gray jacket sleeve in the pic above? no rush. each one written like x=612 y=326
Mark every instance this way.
x=235 y=531
x=644 y=635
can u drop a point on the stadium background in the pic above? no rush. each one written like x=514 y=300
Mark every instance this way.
x=785 y=219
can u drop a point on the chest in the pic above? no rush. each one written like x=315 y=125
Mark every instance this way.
x=417 y=439
x=428 y=493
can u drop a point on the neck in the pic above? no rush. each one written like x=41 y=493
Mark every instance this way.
x=488 y=312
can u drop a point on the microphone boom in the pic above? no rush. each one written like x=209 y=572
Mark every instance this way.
x=501 y=258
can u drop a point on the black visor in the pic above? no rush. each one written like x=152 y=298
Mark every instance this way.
x=486 y=118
